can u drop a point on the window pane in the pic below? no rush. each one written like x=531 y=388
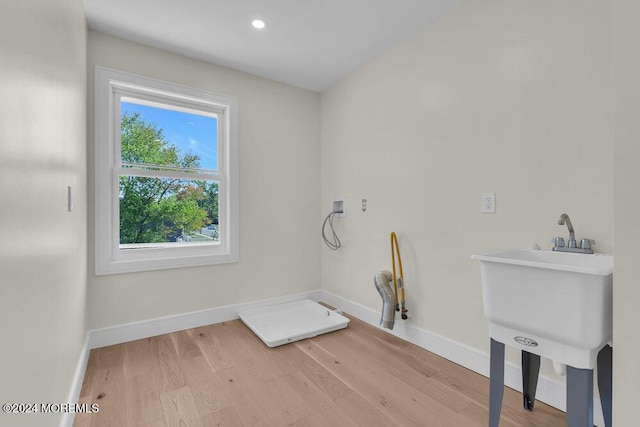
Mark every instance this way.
x=162 y=136
x=162 y=210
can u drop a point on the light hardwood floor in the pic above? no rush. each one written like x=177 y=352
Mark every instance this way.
x=223 y=375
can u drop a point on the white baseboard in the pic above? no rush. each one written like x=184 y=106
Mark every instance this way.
x=550 y=391
x=76 y=385
x=179 y=322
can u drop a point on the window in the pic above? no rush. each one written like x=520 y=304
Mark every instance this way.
x=166 y=175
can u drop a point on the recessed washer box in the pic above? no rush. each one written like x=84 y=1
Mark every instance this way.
x=285 y=323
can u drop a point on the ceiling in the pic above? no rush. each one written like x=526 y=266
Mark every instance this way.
x=307 y=43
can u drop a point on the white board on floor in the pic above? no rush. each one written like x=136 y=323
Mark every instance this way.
x=284 y=323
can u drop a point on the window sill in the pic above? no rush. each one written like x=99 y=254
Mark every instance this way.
x=169 y=261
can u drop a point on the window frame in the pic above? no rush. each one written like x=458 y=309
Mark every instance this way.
x=110 y=258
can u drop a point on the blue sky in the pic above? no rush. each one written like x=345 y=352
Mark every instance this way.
x=188 y=132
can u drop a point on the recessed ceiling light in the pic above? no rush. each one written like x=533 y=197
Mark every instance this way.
x=258 y=24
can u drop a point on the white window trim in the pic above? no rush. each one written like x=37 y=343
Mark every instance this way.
x=109 y=259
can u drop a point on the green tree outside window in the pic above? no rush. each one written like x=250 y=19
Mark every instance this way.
x=156 y=210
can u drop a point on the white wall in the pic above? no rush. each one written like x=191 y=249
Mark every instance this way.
x=500 y=96
x=279 y=187
x=42 y=151
x=626 y=290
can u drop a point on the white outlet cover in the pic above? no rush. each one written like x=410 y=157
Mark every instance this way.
x=344 y=206
x=488 y=203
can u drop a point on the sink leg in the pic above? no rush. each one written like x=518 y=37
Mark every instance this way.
x=605 y=382
x=530 y=371
x=579 y=397
x=496 y=382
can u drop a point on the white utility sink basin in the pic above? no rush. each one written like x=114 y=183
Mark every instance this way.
x=554 y=304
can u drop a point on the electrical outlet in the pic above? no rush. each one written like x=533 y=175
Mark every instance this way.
x=488 y=201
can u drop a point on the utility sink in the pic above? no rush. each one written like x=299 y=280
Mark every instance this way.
x=554 y=304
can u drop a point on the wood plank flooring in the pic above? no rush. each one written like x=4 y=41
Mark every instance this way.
x=223 y=375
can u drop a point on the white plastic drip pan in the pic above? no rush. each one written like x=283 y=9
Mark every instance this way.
x=284 y=323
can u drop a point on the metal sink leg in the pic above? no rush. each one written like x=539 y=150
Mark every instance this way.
x=605 y=384
x=496 y=382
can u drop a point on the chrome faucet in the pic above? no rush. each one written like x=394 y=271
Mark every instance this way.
x=572 y=246
x=564 y=219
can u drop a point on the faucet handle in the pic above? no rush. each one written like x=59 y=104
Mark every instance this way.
x=558 y=242
x=585 y=243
